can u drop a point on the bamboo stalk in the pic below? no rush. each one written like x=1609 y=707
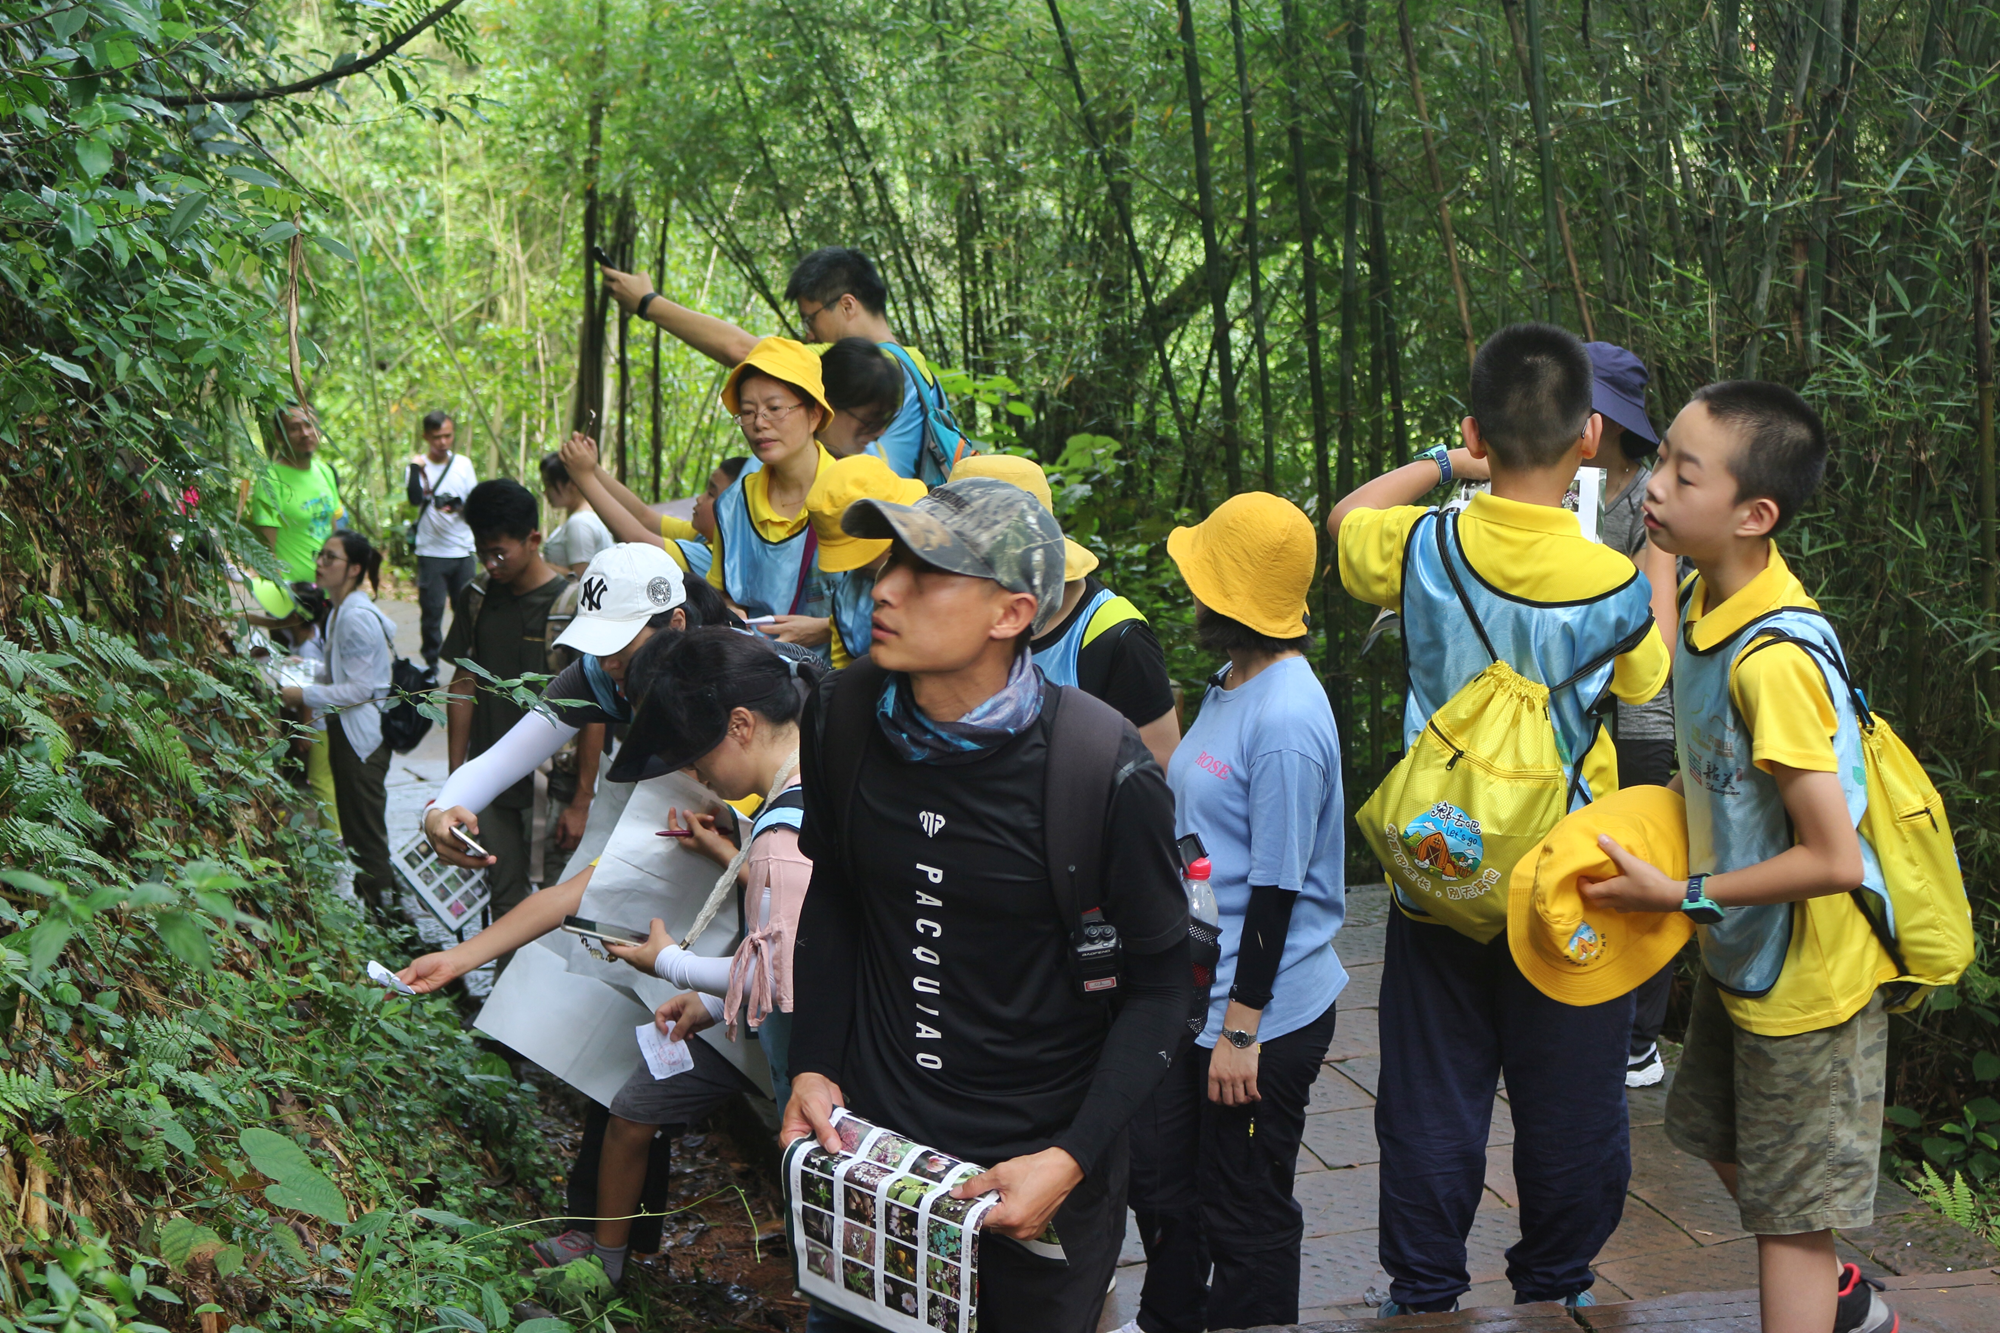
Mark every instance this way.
x=1357 y=45
x=1437 y=180
x=1214 y=263
x=1989 y=532
x=1252 y=255
x=1553 y=231
x=1309 y=315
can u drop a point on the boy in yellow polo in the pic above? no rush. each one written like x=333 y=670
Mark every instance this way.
x=1456 y=1011
x=1780 y=1083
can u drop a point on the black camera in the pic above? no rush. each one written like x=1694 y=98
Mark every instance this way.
x=1098 y=954
x=448 y=504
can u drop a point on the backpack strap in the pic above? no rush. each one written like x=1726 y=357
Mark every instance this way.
x=1081 y=774
x=848 y=697
x=807 y=563
x=931 y=444
x=1457 y=586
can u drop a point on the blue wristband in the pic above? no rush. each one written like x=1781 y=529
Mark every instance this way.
x=1440 y=455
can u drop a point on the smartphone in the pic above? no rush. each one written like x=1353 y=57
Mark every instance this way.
x=598 y=256
x=597 y=930
x=466 y=839
x=1190 y=849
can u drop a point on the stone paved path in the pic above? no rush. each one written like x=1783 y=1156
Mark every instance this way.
x=1679 y=1233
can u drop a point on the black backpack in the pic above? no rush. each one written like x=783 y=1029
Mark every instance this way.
x=403 y=726
x=1082 y=776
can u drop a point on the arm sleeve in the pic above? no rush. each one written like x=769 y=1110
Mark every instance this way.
x=823 y=952
x=481 y=779
x=1265 y=924
x=677 y=529
x=1782 y=695
x=1639 y=675
x=1371 y=553
x=691 y=971
x=1137 y=1052
x=1147 y=904
x=413 y=483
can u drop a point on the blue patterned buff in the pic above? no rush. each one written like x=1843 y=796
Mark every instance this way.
x=923 y=740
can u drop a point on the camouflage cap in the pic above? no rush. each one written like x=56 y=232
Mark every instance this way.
x=981 y=527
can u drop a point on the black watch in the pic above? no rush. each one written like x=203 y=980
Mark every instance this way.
x=640 y=309
x=1242 y=1041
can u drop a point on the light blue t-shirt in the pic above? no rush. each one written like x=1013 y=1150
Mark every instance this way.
x=1258 y=777
x=903 y=441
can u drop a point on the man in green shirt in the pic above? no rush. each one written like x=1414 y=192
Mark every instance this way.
x=296 y=504
x=501 y=621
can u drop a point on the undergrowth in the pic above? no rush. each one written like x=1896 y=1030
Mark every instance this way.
x=206 y=1122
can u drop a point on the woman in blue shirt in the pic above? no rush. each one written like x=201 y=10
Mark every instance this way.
x=1257 y=778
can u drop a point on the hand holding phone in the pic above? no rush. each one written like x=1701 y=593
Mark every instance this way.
x=598 y=930
x=469 y=844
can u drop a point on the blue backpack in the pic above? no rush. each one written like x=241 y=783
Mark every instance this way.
x=945 y=441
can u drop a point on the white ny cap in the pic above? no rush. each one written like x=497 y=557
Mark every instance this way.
x=624 y=587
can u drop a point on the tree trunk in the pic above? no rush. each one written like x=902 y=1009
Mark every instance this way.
x=1545 y=151
x=1214 y=263
x=1252 y=200
x=1357 y=46
x=1989 y=534
x=1295 y=114
x=1382 y=296
x=1437 y=180
x=588 y=410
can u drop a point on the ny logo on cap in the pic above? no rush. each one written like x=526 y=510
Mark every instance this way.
x=931 y=822
x=592 y=597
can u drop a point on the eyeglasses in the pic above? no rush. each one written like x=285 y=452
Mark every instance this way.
x=749 y=416
x=329 y=558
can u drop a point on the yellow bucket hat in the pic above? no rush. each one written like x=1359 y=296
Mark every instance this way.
x=838 y=485
x=276 y=600
x=1252 y=560
x=1078 y=560
x=1579 y=954
x=781 y=359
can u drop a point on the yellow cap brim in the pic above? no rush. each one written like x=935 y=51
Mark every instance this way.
x=1078 y=560
x=1545 y=907
x=838 y=555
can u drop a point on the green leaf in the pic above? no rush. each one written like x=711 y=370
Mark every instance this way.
x=332 y=247
x=228 y=1260
x=94 y=156
x=185 y=212
x=182 y=1241
x=1944 y=1151
x=444 y=1219
x=277 y=231
x=285 y=1243
x=542 y=1326
x=46 y=943
x=456 y=1318
x=1985 y=1108
x=368 y=1223
x=185 y=939
x=1903 y=1116
x=309 y=1193
x=176 y=1133
x=276 y=1155
x=1985 y=1066
x=252 y=176
x=76 y=220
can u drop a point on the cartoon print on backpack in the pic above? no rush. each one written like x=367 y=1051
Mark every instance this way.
x=1446 y=840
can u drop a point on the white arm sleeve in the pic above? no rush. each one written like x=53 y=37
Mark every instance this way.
x=514 y=756
x=690 y=971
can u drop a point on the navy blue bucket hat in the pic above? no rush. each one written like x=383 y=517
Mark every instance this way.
x=1619 y=388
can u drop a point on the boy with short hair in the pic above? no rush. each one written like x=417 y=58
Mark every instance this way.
x=1780 y=1083
x=1456 y=1012
x=501 y=621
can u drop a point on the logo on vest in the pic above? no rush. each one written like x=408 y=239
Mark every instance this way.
x=1584 y=945
x=591 y=598
x=660 y=591
x=931 y=822
x=1442 y=843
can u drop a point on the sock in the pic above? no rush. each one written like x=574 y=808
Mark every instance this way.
x=613 y=1259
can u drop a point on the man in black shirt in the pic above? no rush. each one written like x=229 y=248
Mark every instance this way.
x=934 y=982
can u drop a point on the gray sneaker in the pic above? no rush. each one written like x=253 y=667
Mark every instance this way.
x=564 y=1249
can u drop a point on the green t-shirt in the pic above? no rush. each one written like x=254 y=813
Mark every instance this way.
x=302 y=504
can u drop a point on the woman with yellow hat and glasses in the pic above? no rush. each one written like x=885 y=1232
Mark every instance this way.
x=1257 y=779
x=850 y=563
x=1099 y=641
x=765 y=549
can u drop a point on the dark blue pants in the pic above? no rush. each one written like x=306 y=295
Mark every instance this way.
x=1454 y=1015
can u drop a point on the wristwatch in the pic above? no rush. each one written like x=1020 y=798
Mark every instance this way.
x=1700 y=908
x=1440 y=455
x=1242 y=1041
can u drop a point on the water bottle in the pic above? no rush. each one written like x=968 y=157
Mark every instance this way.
x=1204 y=938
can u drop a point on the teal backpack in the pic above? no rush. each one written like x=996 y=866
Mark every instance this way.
x=945 y=441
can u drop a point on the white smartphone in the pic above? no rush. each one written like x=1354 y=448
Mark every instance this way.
x=466 y=839
x=597 y=930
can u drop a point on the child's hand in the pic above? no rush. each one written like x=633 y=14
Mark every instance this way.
x=579 y=454
x=1638 y=887
x=702 y=835
x=641 y=956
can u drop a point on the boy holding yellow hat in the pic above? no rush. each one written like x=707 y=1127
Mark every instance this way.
x=850 y=563
x=1510 y=589
x=1099 y=642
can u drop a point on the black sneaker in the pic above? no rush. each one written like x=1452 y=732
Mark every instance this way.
x=1860 y=1310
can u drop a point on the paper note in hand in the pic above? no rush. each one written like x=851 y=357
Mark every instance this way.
x=663 y=1058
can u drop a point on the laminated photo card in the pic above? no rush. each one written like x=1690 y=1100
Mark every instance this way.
x=455 y=895
x=877 y=1235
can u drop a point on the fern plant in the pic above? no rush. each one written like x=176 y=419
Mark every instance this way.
x=24 y=1096
x=1953 y=1201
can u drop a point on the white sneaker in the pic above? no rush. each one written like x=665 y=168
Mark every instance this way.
x=1130 y=1326
x=1646 y=1070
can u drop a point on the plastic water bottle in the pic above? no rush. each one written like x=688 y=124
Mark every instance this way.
x=1205 y=939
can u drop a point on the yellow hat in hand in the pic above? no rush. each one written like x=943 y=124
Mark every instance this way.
x=781 y=359
x=1252 y=560
x=838 y=485
x=1580 y=954
x=1026 y=473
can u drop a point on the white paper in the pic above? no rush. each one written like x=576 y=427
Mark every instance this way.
x=664 y=1058
x=575 y=1028
x=382 y=976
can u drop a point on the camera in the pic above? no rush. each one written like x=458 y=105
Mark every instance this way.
x=1097 y=954
x=449 y=504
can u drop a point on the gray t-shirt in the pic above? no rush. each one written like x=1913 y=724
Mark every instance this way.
x=1623 y=529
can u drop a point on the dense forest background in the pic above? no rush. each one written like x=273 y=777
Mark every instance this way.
x=1173 y=250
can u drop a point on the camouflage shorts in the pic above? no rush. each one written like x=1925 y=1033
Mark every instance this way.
x=1800 y=1116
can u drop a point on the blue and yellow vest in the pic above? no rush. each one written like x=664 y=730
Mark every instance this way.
x=695 y=557
x=764 y=577
x=1107 y=609
x=1736 y=816
x=853 y=599
x=1544 y=641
